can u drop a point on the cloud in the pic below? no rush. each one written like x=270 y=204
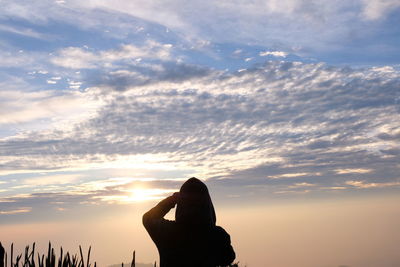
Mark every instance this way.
x=16 y=211
x=376 y=9
x=293 y=175
x=127 y=106
x=273 y=53
x=23 y=31
x=104 y=193
x=51 y=180
x=363 y=185
x=12 y=59
x=300 y=185
x=23 y=106
x=124 y=67
x=130 y=76
x=346 y=171
x=75 y=58
x=81 y=58
x=309 y=28
x=306 y=122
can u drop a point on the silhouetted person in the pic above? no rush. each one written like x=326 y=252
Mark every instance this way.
x=193 y=239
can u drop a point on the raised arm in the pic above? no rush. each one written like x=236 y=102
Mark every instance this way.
x=153 y=220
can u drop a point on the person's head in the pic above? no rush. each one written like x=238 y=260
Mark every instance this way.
x=194 y=205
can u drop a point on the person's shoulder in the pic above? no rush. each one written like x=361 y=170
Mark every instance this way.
x=158 y=224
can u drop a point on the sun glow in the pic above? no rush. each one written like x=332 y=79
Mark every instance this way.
x=138 y=194
x=143 y=194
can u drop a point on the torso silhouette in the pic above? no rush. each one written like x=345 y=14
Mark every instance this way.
x=193 y=239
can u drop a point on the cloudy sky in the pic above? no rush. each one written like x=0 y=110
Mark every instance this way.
x=109 y=105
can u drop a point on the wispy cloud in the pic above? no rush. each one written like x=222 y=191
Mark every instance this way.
x=24 y=106
x=363 y=184
x=12 y=58
x=347 y=171
x=273 y=53
x=51 y=180
x=376 y=9
x=24 y=32
x=294 y=175
x=16 y=211
x=309 y=28
x=82 y=58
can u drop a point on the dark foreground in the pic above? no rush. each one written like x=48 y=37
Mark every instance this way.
x=64 y=259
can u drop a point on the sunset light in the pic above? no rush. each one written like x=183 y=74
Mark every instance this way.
x=142 y=194
x=136 y=195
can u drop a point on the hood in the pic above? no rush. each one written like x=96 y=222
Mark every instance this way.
x=194 y=205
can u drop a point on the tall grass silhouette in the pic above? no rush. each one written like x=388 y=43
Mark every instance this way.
x=30 y=259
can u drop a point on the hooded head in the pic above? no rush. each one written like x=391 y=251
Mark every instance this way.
x=194 y=205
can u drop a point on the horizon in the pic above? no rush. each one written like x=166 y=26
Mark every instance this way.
x=287 y=110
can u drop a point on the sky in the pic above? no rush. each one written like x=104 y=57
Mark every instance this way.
x=288 y=110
